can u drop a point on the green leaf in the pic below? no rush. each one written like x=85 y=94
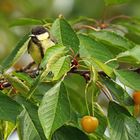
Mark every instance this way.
x=113 y=2
x=61 y=67
x=108 y=70
x=65 y=35
x=75 y=86
x=9 y=109
x=135 y=20
x=8 y=129
x=24 y=77
x=129 y=78
x=52 y=54
x=26 y=21
x=89 y=48
x=132 y=26
x=16 y=53
x=17 y=84
x=122 y=125
x=26 y=128
x=113 y=41
x=92 y=91
x=98 y=112
x=40 y=90
x=119 y=93
x=29 y=127
x=1 y=130
x=69 y=133
x=95 y=136
x=34 y=86
x=54 y=110
x=131 y=56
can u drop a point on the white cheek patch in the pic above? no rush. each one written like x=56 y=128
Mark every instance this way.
x=43 y=36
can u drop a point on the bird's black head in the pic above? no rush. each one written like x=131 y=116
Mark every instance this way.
x=39 y=30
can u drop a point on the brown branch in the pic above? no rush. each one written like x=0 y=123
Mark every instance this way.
x=137 y=70
x=81 y=72
x=84 y=73
x=26 y=67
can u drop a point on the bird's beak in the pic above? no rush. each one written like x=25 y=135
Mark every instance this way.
x=32 y=35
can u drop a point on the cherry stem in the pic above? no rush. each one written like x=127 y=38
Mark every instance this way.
x=111 y=60
x=104 y=15
x=86 y=101
x=83 y=66
x=117 y=17
x=92 y=103
x=86 y=27
x=73 y=54
x=105 y=91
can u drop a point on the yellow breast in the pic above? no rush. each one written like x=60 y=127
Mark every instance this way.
x=47 y=43
x=35 y=53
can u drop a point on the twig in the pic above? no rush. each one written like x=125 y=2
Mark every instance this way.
x=135 y=70
x=78 y=27
x=85 y=73
x=105 y=91
x=117 y=17
x=27 y=67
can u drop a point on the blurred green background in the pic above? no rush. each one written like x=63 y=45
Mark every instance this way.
x=43 y=9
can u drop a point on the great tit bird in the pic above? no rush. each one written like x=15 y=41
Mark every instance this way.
x=40 y=41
